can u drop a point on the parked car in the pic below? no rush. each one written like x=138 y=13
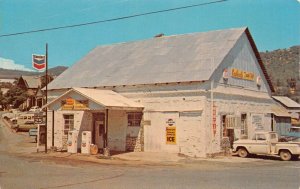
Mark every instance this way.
x=35 y=109
x=11 y=114
x=266 y=143
x=25 y=122
x=29 y=124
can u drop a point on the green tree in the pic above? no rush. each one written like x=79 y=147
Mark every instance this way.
x=43 y=80
x=15 y=96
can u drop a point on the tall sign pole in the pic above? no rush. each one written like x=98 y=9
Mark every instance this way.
x=46 y=97
x=40 y=63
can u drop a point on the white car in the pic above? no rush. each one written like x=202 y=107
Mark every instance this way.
x=35 y=109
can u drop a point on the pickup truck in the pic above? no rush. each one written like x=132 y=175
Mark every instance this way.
x=266 y=143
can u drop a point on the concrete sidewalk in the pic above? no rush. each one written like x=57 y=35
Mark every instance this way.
x=167 y=158
x=161 y=157
x=139 y=158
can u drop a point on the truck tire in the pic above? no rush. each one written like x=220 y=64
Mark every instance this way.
x=285 y=155
x=242 y=152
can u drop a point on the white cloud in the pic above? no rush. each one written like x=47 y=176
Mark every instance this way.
x=10 y=64
x=298 y=1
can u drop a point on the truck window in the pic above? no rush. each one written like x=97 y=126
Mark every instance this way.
x=260 y=137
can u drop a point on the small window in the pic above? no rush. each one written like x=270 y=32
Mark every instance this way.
x=244 y=127
x=134 y=119
x=68 y=123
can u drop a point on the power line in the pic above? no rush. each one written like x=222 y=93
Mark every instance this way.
x=112 y=19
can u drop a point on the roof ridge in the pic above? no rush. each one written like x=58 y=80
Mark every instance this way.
x=169 y=36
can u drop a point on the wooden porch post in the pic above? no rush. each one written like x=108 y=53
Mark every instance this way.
x=106 y=129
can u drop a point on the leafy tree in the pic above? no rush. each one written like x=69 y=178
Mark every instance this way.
x=15 y=96
x=43 y=80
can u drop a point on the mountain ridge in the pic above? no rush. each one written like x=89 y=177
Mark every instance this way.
x=11 y=74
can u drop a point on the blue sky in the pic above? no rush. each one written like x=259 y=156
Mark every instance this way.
x=273 y=23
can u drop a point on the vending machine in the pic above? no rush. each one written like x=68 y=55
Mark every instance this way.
x=86 y=141
x=72 y=141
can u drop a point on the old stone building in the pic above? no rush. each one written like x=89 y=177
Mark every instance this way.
x=185 y=94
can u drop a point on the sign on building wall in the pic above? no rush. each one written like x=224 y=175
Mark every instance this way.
x=171 y=135
x=240 y=74
x=257 y=121
x=72 y=104
x=214 y=120
x=170 y=131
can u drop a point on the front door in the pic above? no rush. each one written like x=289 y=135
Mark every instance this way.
x=99 y=133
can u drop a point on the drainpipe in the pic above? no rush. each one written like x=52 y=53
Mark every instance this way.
x=52 y=128
x=211 y=108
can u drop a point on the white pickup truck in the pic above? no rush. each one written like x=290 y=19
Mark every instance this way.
x=266 y=143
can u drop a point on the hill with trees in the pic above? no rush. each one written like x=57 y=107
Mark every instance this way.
x=283 y=68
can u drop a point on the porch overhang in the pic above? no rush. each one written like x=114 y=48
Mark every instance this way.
x=105 y=99
x=279 y=111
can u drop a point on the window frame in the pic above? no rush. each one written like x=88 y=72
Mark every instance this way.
x=244 y=126
x=134 y=119
x=69 y=123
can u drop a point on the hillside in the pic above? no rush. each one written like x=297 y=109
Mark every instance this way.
x=283 y=68
x=10 y=74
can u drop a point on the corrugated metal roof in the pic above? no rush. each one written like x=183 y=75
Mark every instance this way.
x=106 y=98
x=33 y=82
x=167 y=59
x=279 y=111
x=286 y=101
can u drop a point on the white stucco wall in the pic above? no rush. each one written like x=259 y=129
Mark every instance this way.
x=117 y=126
x=82 y=122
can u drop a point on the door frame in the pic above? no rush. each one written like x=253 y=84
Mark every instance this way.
x=99 y=116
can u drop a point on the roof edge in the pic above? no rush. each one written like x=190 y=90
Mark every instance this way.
x=258 y=57
x=69 y=91
x=167 y=36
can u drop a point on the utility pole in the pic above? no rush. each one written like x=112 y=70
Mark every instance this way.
x=46 y=97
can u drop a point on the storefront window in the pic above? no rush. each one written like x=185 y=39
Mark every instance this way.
x=244 y=128
x=68 y=123
x=134 y=119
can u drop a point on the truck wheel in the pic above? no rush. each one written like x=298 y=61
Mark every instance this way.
x=242 y=152
x=285 y=155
